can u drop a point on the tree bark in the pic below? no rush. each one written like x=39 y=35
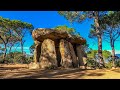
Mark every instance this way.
x=113 y=48
x=21 y=47
x=5 y=51
x=5 y=46
x=100 y=49
x=113 y=55
x=99 y=36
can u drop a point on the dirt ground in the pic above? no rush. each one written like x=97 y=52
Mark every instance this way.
x=20 y=71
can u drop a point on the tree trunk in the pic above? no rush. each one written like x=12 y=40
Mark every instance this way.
x=113 y=55
x=21 y=47
x=21 y=42
x=113 y=49
x=5 y=46
x=5 y=51
x=99 y=36
x=100 y=49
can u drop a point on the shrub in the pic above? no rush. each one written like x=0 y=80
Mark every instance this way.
x=117 y=63
x=92 y=63
x=16 y=57
x=51 y=67
x=108 y=65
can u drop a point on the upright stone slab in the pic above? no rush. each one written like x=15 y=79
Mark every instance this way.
x=48 y=54
x=37 y=51
x=35 y=64
x=80 y=55
x=84 y=56
x=73 y=55
x=66 y=59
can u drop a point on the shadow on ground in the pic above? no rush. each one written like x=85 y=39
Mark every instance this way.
x=47 y=74
x=116 y=70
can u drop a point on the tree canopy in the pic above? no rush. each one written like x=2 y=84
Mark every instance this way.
x=12 y=31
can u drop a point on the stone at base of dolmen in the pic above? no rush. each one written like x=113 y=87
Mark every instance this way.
x=34 y=65
x=44 y=64
x=82 y=67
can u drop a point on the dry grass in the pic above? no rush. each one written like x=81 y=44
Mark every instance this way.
x=20 y=71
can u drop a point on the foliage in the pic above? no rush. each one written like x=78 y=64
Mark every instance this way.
x=108 y=65
x=80 y=16
x=17 y=57
x=92 y=33
x=117 y=63
x=20 y=29
x=92 y=54
x=70 y=30
x=32 y=47
x=111 y=24
x=92 y=63
x=106 y=54
x=66 y=28
x=51 y=67
x=86 y=47
x=11 y=32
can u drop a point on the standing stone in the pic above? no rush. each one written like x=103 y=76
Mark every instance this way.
x=73 y=55
x=48 y=54
x=66 y=59
x=80 y=55
x=37 y=51
x=35 y=64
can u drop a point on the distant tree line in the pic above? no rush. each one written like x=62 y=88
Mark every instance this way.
x=12 y=33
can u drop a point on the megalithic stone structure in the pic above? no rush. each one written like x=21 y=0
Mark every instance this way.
x=37 y=51
x=73 y=55
x=48 y=54
x=80 y=55
x=66 y=58
x=55 y=48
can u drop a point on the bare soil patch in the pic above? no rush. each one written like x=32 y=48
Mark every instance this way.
x=21 y=71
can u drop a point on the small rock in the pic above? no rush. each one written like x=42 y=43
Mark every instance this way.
x=82 y=67
x=34 y=66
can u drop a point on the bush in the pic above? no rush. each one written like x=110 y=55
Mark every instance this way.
x=24 y=60
x=92 y=63
x=117 y=63
x=16 y=57
x=51 y=67
x=108 y=65
x=1 y=60
x=28 y=60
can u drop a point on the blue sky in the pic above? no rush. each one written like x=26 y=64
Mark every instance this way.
x=50 y=19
